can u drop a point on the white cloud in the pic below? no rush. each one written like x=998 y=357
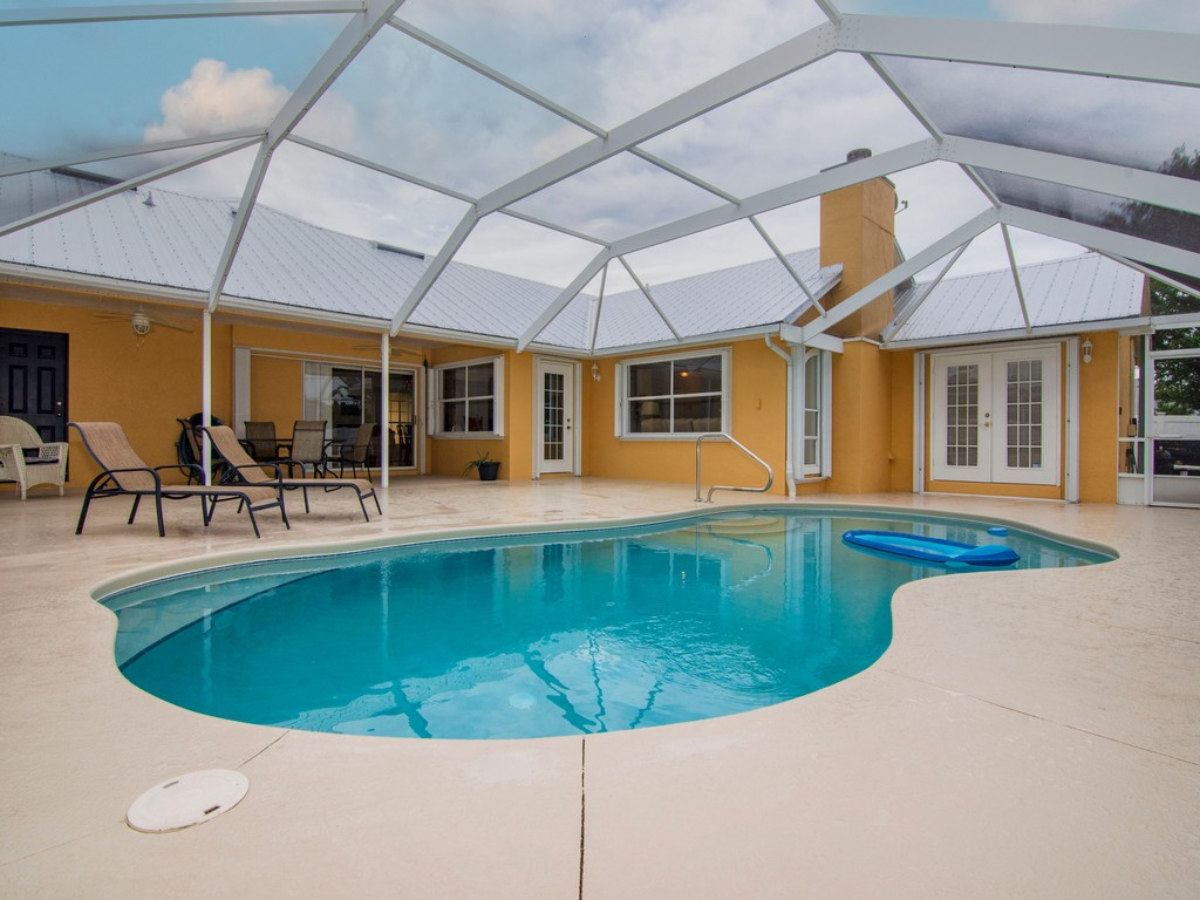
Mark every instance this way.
x=214 y=99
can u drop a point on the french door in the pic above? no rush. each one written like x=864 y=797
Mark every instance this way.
x=556 y=388
x=995 y=416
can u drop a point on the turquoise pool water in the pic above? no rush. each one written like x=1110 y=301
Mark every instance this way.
x=536 y=635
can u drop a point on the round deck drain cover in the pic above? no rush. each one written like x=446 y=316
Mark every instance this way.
x=187 y=800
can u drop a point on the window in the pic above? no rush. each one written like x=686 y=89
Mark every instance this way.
x=675 y=395
x=468 y=398
x=813 y=417
x=813 y=426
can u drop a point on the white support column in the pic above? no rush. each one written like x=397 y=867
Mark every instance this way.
x=1071 y=486
x=206 y=392
x=385 y=434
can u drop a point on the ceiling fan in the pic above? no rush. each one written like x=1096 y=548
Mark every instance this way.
x=141 y=322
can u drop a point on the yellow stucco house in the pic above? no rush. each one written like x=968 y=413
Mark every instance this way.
x=1017 y=383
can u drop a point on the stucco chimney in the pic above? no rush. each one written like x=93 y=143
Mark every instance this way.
x=858 y=231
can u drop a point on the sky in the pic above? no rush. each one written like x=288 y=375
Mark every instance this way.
x=86 y=87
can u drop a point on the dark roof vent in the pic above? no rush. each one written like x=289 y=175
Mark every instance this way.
x=389 y=248
x=858 y=153
x=82 y=175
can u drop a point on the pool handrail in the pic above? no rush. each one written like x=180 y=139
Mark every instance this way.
x=728 y=487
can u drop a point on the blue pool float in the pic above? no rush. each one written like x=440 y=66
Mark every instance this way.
x=932 y=550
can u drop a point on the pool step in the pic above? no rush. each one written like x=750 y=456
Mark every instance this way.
x=742 y=526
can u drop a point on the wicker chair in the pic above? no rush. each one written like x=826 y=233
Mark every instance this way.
x=124 y=474
x=241 y=469
x=48 y=467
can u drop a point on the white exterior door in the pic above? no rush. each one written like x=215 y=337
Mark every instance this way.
x=996 y=416
x=556 y=387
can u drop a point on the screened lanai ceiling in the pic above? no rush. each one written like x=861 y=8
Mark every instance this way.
x=610 y=149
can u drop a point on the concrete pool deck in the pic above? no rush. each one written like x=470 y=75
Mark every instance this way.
x=1027 y=734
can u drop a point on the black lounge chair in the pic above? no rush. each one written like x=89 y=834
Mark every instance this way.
x=241 y=469
x=125 y=475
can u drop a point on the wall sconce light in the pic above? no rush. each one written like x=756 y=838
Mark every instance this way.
x=595 y=371
x=1086 y=347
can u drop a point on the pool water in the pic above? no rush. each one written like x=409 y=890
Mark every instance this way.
x=536 y=635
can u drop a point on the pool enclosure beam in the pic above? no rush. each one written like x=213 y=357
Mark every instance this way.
x=898 y=321
x=762 y=232
x=805 y=189
x=126 y=185
x=901 y=273
x=1104 y=241
x=1143 y=186
x=545 y=103
x=650 y=297
x=565 y=296
x=1012 y=265
x=345 y=47
x=790 y=56
x=1106 y=52
x=75 y=15
x=442 y=189
x=252 y=135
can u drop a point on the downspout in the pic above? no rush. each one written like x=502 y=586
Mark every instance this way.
x=790 y=470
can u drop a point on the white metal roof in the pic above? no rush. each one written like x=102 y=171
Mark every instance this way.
x=1084 y=289
x=163 y=239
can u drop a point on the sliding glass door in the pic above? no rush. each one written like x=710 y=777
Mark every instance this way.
x=356 y=395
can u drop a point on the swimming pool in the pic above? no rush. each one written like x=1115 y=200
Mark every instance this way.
x=538 y=634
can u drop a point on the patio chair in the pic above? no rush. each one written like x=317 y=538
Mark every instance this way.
x=125 y=475
x=309 y=448
x=353 y=455
x=264 y=445
x=48 y=467
x=241 y=469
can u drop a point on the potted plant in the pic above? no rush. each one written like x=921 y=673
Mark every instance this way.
x=488 y=468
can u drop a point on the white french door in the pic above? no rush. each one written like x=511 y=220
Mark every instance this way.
x=556 y=431
x=996 y=416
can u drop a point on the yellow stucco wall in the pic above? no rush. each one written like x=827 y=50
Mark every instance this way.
x=758 y=418
x=1099 y=399
x=113 y=377
x=862 y=419
x=903 y=410
x=145 y=386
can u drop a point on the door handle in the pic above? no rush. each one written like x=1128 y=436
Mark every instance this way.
x=58 y=405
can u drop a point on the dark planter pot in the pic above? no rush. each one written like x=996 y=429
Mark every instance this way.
x=488 y=471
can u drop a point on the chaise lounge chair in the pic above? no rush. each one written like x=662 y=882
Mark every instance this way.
x=243 y=469
x=124 y=474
